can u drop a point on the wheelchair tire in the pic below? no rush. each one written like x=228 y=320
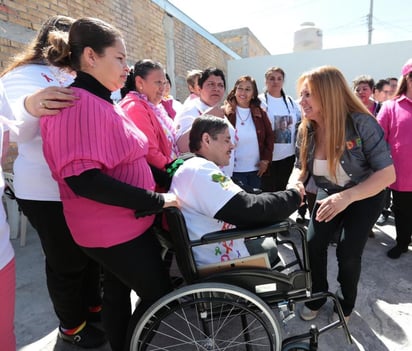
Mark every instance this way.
x=298 y=346
x=208 y=316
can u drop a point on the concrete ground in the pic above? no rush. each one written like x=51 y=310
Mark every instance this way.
x=382 y=320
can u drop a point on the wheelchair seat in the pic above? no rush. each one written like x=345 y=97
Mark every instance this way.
x=265 y=282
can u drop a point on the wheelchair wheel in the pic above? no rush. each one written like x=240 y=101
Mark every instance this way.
x=208 y=316
x=299 y=346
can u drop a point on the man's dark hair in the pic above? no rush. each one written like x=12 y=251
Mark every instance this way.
x=212 y=71
x=380 y=84
x=205 y=124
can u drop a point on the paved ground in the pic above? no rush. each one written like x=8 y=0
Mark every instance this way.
x=382 y=320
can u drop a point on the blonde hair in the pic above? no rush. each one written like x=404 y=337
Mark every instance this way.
x=329 y=88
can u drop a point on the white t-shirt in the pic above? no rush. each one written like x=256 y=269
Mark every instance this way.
x=189 y=112
x=203 y=190
x=246 y=152
x=283 y=119
x=32 y=176
x=184 y=120
x=6 y=250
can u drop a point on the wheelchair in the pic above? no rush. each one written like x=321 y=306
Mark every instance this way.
x=233 y=308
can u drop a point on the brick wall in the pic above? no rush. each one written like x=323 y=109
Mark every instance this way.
x=141 y=21
x=146 y=28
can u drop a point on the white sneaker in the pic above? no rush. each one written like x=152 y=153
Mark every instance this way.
x=307 y=314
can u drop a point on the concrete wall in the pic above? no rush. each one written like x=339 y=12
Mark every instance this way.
x=379 y=61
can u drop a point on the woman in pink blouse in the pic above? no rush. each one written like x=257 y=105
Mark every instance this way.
x=395 y=117
x=143 y=93
x=98 y=158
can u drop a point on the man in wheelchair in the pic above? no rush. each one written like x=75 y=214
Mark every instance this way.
x=211 y=201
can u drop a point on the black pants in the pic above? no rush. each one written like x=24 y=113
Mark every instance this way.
x=134 y=265
x=386 y=209
x=73 y=279
x=354 y=222
x=278 y=175
x=402 y=201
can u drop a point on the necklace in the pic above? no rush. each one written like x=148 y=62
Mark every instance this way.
x=242 y=120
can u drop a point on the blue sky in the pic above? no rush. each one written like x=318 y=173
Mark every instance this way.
x=273 y=22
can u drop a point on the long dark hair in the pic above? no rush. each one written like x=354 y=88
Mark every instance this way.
x=35 y=51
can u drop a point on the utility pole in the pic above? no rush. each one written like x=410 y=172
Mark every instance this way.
x=370 y=19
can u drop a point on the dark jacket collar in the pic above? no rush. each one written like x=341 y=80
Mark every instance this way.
x=92 y=85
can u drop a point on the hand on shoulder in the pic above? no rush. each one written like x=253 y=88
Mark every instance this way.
x=49 y=101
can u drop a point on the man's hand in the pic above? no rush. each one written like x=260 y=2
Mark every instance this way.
x=170 y=200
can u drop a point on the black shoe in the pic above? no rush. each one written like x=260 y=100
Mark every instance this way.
x=396 y=252
x=88 y=338
x=383 y=218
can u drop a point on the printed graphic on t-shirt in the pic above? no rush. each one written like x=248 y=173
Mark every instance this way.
x=221 y=179
x=227 y=250
x=283 y=129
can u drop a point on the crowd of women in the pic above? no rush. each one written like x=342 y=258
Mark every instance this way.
x=88 y=165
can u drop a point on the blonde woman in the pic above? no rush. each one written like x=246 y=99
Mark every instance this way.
x=341 y=145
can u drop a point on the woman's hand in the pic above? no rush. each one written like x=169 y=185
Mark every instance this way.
x=263 y=167
x=331 y=206
x=170 y=200
x=49 y=101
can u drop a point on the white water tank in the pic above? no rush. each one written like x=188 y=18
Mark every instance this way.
x=307 y=37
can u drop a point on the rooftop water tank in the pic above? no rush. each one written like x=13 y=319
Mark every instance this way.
x=307 y=37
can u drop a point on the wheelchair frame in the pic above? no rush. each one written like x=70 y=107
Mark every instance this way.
x=241 y=300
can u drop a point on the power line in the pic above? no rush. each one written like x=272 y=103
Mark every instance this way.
x=391 y=24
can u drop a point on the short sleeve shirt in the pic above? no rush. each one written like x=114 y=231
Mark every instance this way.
x=203 y=190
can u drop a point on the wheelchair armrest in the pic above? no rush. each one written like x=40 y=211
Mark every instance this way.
x=236 y=233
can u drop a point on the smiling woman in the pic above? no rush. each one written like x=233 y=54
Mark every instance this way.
x=254 y=147
x=343 y=148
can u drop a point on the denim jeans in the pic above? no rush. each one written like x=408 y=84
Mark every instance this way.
x=354 y=222
x=248 y=178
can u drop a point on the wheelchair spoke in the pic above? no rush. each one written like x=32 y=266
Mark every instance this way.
x=208 y=320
